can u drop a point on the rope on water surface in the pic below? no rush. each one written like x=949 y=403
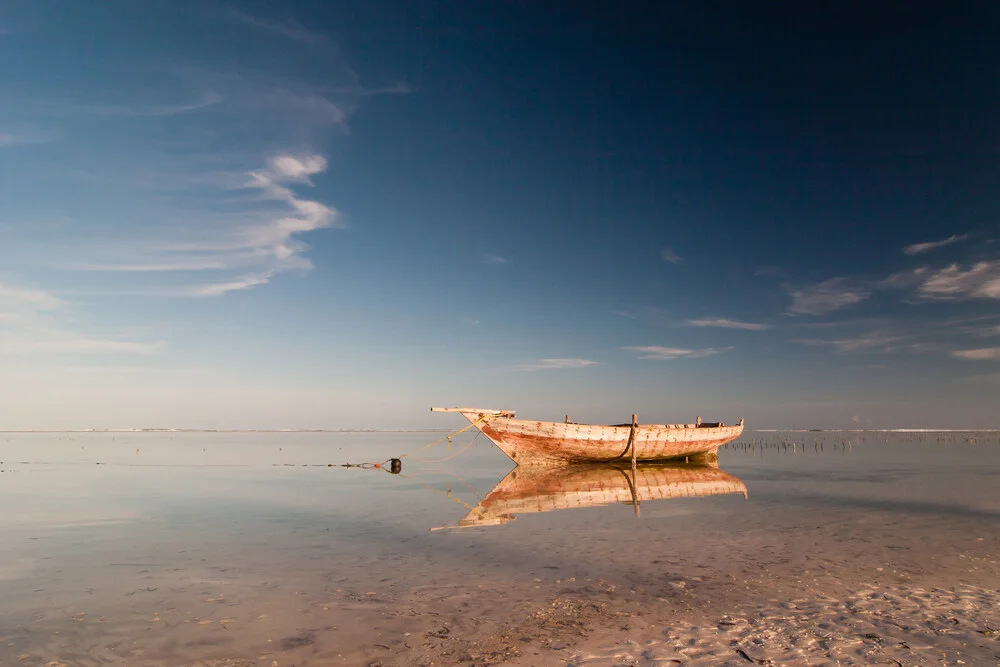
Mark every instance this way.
x=395 y=464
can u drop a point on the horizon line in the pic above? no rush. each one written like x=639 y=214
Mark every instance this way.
x=442 y=430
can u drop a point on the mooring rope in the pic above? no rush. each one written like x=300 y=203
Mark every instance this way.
x=448 y=458
x=396 y=464
x=448 y=437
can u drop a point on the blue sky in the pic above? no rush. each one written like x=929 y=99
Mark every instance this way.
x=336 y=214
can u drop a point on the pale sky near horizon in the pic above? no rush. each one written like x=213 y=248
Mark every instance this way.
x=337 y=214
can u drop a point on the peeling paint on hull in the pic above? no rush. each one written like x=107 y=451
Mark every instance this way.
x=552 y=443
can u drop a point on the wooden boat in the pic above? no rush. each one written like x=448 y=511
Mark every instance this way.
x=546 y=489
x=549 y=443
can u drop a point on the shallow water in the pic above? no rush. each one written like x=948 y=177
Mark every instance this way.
x=256 y=549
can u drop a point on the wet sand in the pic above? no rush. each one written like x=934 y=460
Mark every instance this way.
x=847 y=557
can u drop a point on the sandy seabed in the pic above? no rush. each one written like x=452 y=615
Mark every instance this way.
x=850 y=588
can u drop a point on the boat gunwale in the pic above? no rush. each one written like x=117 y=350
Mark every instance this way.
x=539 y=442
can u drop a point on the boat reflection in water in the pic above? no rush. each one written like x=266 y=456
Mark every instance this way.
x=528 y=490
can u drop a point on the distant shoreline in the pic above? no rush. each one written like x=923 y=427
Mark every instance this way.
x=875 y=430
x=444 y=430
x=226 y=430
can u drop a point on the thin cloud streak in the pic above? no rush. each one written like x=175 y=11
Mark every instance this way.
x=289 y=29
x=981 y=280
x=668 y=255
x=660 y=353
x=982 y=354
x=918 y=248
x=30 y=322
x=723 y=323
x=154 y=267
x=874 y=341
x=19 y=299
x=218 y=289
x=206 y=100
x=989 y=378
x=826 y=297
x=20 y=138
x=557 y=364
x=398 y=88
x=74 y=343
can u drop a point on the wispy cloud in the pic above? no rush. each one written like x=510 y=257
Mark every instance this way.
x=985 y=327
x=209 y=263
x=269 y=240
x=668 y=255
x=398 y=88
x=724 y=323
x=287 y=28
x=889 y=335
x=825 y=297
x=198 y=171
x=218 y=289
x=927 y=246
x=16 y=138
x=31 y=320
x=982 y=354
x=667 y=353
x=21 y=299
x=8 y=139
x=312 y=104
x=306 y=215
x=873 y=341
x=495 y=259
x=207 y=99
x=65 y=342
x=908 y=279
x=557 y=364
x=981 y=280
x=988 y=378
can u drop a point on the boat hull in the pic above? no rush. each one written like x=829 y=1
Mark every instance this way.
x=553 y=443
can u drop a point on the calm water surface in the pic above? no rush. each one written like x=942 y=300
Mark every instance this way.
x=210 y=548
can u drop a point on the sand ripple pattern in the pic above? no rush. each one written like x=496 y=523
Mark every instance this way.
x=884 y=626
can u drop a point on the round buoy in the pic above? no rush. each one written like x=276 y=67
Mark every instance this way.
x=395 y=466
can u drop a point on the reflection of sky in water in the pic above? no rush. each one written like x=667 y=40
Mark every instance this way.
x=264 y=510
x=54 y=481
x=926 y=473
x=227 y=486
